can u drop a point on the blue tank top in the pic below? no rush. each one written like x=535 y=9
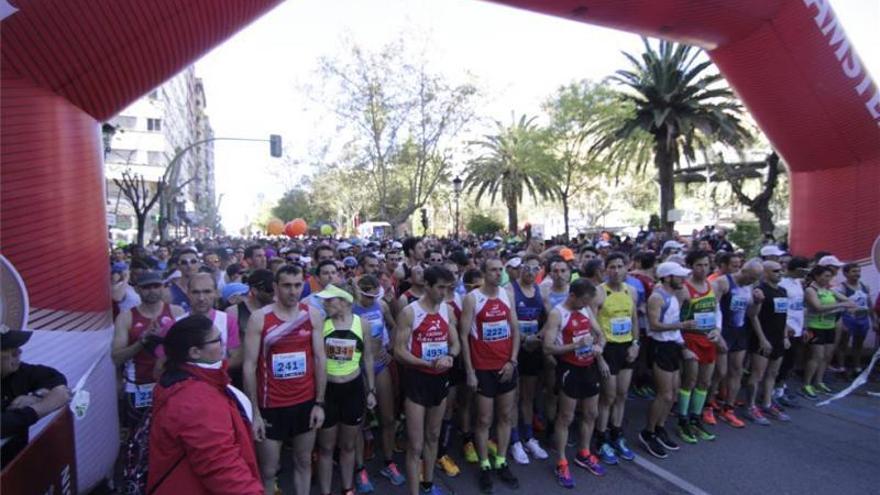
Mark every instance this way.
x=373 y=317
x=529 y=310
x=556 y=298
x=638 y=286
x=734 y=305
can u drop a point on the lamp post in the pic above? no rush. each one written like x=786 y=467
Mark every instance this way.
x=456 y=188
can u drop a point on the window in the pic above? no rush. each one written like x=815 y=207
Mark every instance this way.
x=125 y=122
x=154 y=124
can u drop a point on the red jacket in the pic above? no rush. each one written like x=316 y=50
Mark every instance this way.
x=196 y=422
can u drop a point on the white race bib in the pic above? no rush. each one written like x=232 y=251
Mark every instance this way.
x=143 y=395
x=739 y=303
x=528 y=327
x=289 y=365
x=621 y=325
x=495 y=330
x=434 y=350
x=780 y=305
x=705 y=321
x=796 y=305
x=340 y=349
x=583 y=352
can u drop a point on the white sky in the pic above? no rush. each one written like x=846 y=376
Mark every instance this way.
x=255 y=81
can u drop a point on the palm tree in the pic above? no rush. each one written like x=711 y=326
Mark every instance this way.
x=512 y=161
x=679 y=105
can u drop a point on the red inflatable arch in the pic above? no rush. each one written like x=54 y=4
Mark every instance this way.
x=69 y=64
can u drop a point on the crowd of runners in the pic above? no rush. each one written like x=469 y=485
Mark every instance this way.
x=436 y=353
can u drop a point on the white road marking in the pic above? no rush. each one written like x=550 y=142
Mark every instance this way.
x=668 y=476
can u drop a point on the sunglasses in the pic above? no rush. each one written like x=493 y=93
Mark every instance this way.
x=188 y=262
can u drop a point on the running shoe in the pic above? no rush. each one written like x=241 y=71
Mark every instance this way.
x=788 y=400
x=714 y=405
x=825 y=389
x=563 y=476
x=606 y=453
x=470 y=453
x=664 y=439
x=349 y=491
x=590 y=463
x=685 y=433
x=492 y=447
x=534 y=448
x=362 y=482
x=700 y=431
x=391 y=472
x=709 y=416
x=729 y=417
x=754 y=414
x=650 y=442
x=776 y=413
x=434 y=490
x=506 y=476
x=449 y=467
x=809 y=392
x=484 y=481
x=519 y=453
x=623 y=450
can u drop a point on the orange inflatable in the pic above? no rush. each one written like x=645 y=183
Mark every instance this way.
x=275 y=227
x=296 y=227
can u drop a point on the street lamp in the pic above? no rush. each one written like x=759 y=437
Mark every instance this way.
x=456 y=188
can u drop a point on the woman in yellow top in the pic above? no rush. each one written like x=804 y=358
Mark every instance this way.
x=615 y=304
x=345 y=396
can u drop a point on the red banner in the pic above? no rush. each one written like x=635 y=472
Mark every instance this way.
x=47 y=464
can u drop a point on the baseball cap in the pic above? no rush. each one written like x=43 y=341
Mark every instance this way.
x=771 y=250
x=119 y=267
x=233 y=289
x=396 y=245
x=830 y=260
x=10 y=339
x=567 y=254
x=262 y=280
x=514 y=262
x=672 y=245
x=489 y=245
x=342 y=246
x=331 y=292
x=671 y=268
x=149 y=278
x=350 y=262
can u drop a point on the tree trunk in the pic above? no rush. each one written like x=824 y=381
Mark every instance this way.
x=665 y=168
x=511 y=215
x=141 y=222
x=565 y=215
x=765 y=218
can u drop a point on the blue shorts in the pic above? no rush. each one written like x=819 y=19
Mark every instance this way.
x=857 y=328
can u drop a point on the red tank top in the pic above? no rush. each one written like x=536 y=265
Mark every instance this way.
x=139 y=369
x=455 y=304
x=574 y=324
x=285 y=369
x=430 y=336
x=490 y=340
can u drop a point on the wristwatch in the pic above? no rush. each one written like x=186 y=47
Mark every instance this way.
x=319 y=403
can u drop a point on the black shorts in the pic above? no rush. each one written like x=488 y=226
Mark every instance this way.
x=737 y=339
x=666 y=355
x=425 y=389
x=530 y=362
x=345 y=403
x=615 y=354
x=819 y=336
x=577 y=382
x=457 y=374
x=777 y=340
x=489 y=383
x=284 y=423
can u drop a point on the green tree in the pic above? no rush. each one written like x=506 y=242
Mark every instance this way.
x=481 y=225
x=513 y=161
x=681 y=105
x=298 y=203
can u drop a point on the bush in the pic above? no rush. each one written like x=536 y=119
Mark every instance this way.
x=482 y=225
x=747 y=236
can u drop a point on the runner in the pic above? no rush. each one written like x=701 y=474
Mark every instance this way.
x=255 y=257
x=792 y=282
x=615 y=307
x=202 y=294
x=137 y=333
x=472 y=280
x=456 y=392
x=346 y=354
x=556 y=292
x=645 y=267
x=414 y=253
x=375 y=313
x=261 y=292
x=531 y=314
x=285 y=378
x=667 y=348
x=188 y=263
x=573 y=334
x=426 y=344
x=327 y=275
x=768 y=344
x=490 y=352
x=857 y=323
x=704 y=341
x=415 y=290
x=736 y=301
x=726 y=263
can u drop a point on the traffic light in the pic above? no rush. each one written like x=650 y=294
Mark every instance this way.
x=275 y=145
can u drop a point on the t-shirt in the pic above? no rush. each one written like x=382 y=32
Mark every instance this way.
x=795 y=316
x=16 y=423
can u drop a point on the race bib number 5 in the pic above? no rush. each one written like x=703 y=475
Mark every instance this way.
x=289 y=365
x=495 y=331
x=434 y=350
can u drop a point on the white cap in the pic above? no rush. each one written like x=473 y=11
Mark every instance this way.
x=342 y=246
x=514 y=262
x=830 y=260
x=672 y=245
x=603 y=244
x=305 y=259
x=396 y=245
x=671 y=268
x=771 y=250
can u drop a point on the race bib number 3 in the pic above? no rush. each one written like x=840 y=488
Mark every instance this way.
x=621 y=326
x=780 y=305
x=289 y=365
x=143 y=395
x=434 y=350
x=340 y=349
x=705 y=321
x=528 y=327
x=495 y=331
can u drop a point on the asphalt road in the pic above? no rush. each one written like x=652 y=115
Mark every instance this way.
x=829 y=449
